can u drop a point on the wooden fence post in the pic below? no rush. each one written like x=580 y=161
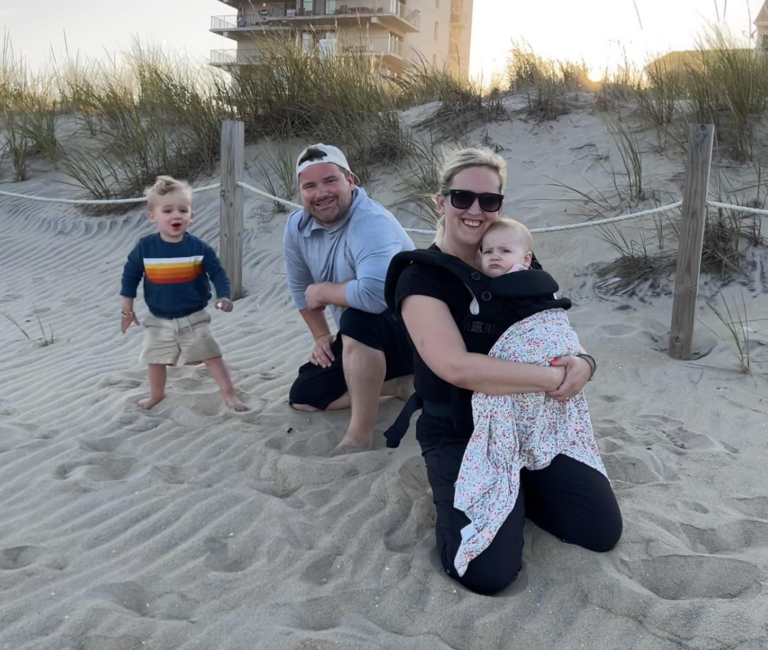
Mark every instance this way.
x=231 y=217
x=700 y=143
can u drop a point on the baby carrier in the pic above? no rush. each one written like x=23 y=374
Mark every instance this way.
x=484 y=322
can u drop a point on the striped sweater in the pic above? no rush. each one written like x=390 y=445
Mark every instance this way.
x=176 y=275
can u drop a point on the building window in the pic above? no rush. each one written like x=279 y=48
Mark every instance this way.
x=437 y=29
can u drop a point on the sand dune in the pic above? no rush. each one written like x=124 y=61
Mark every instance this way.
x=193 y=527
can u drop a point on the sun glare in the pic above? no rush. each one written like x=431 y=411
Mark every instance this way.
x=595 y=75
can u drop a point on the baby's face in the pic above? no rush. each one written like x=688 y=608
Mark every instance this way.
x=501 y=249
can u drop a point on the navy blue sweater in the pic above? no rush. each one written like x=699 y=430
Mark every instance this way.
x=175 y=275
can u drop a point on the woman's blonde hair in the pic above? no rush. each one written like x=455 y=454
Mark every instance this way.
x=464 y=159
x=165 y=185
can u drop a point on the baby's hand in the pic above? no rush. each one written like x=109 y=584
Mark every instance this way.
x=128 y=320
x=225 y=304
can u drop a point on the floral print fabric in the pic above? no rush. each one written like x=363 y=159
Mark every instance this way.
x=513 y=432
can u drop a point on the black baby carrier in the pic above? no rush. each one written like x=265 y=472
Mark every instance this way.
x=489 y=315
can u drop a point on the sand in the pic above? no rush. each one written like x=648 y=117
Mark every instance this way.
x=193 y=527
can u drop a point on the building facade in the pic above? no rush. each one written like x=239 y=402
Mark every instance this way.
x=397 y=33
x=761 y=24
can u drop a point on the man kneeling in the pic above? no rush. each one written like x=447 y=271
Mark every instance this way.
x=337 y=252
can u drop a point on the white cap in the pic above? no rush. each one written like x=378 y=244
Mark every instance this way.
x=326 y=154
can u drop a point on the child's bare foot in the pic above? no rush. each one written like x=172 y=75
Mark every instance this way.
x=234 y=403
x=150 y=401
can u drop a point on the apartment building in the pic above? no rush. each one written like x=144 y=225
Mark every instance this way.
x=396 y=33
x=761 y=23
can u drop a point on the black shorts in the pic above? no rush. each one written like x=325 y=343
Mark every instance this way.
x=318 y=387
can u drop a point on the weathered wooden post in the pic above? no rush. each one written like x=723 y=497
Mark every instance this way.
x=694 y=218
x=231 y=218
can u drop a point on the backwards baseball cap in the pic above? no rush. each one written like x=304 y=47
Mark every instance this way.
x=321 y=153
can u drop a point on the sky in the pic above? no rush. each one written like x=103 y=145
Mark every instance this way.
x=595 y=31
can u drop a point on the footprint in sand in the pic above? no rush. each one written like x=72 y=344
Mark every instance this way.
x=98 y=642
x=619 y=330
x=638 y=468
x=19 y=557
x=97 y=469
x=317 y=614
x=12 y=437
x=6 y=409
x=322 y=570
x=124 y=383
x=684 y=577
x=753 y=506
x=727 y=538
x=673 y=432
x=225 y=560
x=134 y=598
x=410 y=532
x=106 y=444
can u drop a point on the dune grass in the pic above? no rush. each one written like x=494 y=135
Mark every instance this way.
x=547 y=84
x=150 y=112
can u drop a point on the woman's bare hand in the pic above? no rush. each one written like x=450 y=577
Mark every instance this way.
x=577 y=373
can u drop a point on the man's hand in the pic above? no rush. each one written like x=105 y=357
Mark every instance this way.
x=225 y=304
x=321 y=354
x=315 y=297
x=577 y=372
x=129 y=320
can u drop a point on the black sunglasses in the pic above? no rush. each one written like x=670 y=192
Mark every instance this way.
x=463 y=200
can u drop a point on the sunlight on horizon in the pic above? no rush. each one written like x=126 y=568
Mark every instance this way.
x=587 y=31
x=600 y=33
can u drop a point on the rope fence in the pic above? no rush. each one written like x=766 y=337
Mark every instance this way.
x=692 y=222
x=138 y=199
x=738 y=208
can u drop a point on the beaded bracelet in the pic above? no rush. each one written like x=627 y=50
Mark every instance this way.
x=128 y=315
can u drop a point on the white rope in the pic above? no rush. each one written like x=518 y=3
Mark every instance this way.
x=737 y=208
x=585 y=224
x=142 y=199
x=255 y=190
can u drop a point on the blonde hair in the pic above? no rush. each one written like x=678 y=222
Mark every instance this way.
x=503 y=223
x=165 y=185
x=464 y=159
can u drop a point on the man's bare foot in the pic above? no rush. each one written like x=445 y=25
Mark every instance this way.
x=351 y=446
x=234 y=403
x=150 y=401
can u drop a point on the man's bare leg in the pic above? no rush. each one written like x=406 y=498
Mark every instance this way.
x=402 y=388
x=220 y=375
x=157 y=378
x=364 y=371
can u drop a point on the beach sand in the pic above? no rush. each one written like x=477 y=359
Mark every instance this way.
x=190 y=526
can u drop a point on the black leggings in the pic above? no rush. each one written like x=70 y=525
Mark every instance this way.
x=568 y=499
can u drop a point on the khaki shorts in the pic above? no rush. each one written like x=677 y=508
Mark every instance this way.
x=179 y=341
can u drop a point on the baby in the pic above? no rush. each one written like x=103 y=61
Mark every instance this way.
x=177 y=269
x=525 y=430
x=506 y=247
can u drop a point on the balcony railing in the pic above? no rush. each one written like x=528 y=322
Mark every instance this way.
x=378 y=46
x=285 y=11
x=236 y=57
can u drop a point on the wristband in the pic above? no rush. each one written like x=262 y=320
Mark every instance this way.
x=592 y=364
x=128 y=315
